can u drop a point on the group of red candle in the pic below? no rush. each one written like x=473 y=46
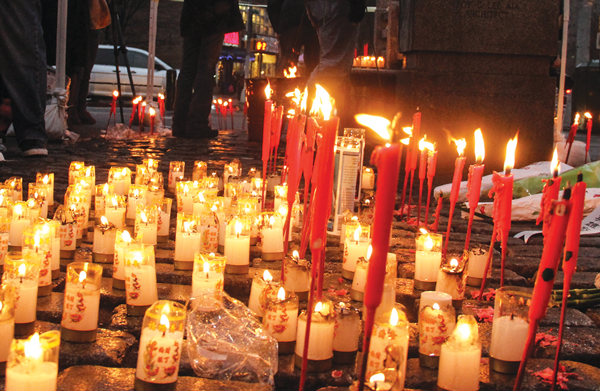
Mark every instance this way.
x=573 y=132
x=223 y=108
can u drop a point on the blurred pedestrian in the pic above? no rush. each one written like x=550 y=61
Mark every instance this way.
x=203 y=26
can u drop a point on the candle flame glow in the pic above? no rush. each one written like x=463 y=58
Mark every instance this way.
x=423 y=231
x=404 y=141
x=238 y=228
x=164 y=321
x=460 y=146
x=357 y=233
x=369 y=252
x=143 y=217
x=46 y=179
x=323 y=103
x=428 y=243
x=187 y=225
x=303 y=103
x=296 y=254
x=267 y=276
x=378 y=377
x=82 y=276
x=394 y=317
x=103 y=220
x=511 y=146
x=18 y=210
x=436 y=306
x=206 y=268
x=555 y=164
x=290 y=73
x=576 y=122
x=22 y=269
x=479 y=147
x=126 y=236
x=114 y=201
x=425 y=144
x=152 y=112
x=33 y=347
x=588 y=115
x=454 y=262
x=268 y=91
x=464 y=331
x=281 y=294
x=318 y=307
x=115 y=93
x=408 y=130
x=380 y=125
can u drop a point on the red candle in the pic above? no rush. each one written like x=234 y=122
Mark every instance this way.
x=276 y=135
x=424 y=147
x=113 y=105
x=142 y=113
x=588 y=125
x=161 y=106
x=459 y=165
x=416 y=131
x=266 y=138
x=550 y=192
x=308 y=156
x=431 y=163
x=407 y=166
x=294 y=165
x=134 y=108
x=571 y=138
x=152 y=115
x=474 y=182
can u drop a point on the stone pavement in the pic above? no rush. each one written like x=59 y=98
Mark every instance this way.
x=107 y=363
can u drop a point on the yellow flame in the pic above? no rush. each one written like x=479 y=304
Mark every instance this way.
x=46 y=179
x=394 y=317
x=164 y=321
x=187 y=225
x=82 y=276
x=479 y=146
x=304 y=103
x=103 y=220
x=464 y=331
x=425 y=144
x=576 y=122
x=36 y=239
x=126 y=236
x=555 y=164
x=511 y=146
x=357 y=233
x=33 y=347
x=281 y=294
x=206 y=267
x=115 y=93
x=22 y=270
x=318 y=307
x=378 y=377
x=238 y=227
x=454 y=262
x=152 y=112
x=124 y=171
x=423 y=231
x=322 y=105
x=268 y=277
x=404 y=141
x=428 y=243
x=436 y=306
x=268 y=91
x=460 y=146
x=369 y=252
x=380 y=125
x=588 y=115
x=143 y=217
x=290 y=73
x=18 y=209
x=295 y=254
x=114 y=201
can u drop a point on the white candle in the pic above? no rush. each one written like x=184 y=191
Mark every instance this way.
x=68 y=237
x=368 y=179
x=21 y=378
x=176 y=170
x=237 y=248
x=33 y=363
x=347 y=329
x=297 y=275
x=115 y=213
x=258 y=286
x=137 y=196
x=159 y=354
x=272 y=243
x=360 y=279
x=7 y=331
x=146 y=226
x=122 y=243
x=452 y=280
x=428 y=257
x=140 y=279
x=104 y=238
x=20 y=221
x=476 y=268
x=187 y=243
x=281 y=317
x=81 y=306
x=430 y=298
x=460 y=357
x=436 y=324
x=353 y=249
x=509 y=335
x=185 y=198
x=164 y=218
x=322 y=329
x=206 y=281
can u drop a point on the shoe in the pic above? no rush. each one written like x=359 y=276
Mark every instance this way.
x=34 y=148
x=86 y=118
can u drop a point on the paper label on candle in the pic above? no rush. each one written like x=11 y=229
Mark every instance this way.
x=160 y=360
x=3 y=246
x=80 y=310
x=435 y=328
x=162 y=223
x=209 y=239
x=68 y=237
x=277 y=322
x=46 y=268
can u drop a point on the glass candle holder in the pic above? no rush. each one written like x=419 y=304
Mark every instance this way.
x=187 y=241
x=478 y=256
x=510 y=328
x=78 y=213
x=146 y=224
x=137 y=196
x=82 y=302
x=142 y=175
x=186 y=192
x=89 y=173
x=47 y=179
x=151 y=164
x=33 y=362
x=161 y=343
x=428 y=257
x=140 y=279
x=296 y=276
x=259 y=283
x=436 y=323
x=349 y=219
x=270 y=230
x=231 y=193
x=210 y=182
x=123 y=243
x=280 y=319
x=460 y=357
x=39 y=193
x=164 y=220
x=20 y=216
x=103 y=250
x=357 y=291
x=52 y=228
x=115 y=210
x=199 y=204
x=156 y=191
x=389 y=342
x=38 y=245
x=347 y=331
x=4 y=233
x=452 y=280
x=208 y=226
x=272 y=181
x=16 y=184
x=368 y=178
x=388 y=297
x=320 y=343
x=7 y=321
x=68 y=232
x=281 y=193
x=223 y=219
x=176 y=170
x=23 y=274
x=356 y=246
x=102 y=195
x=200 y=170
x=256 y=187
x=209 y=274
x=75 y=171
x=5 y=202
x=237 y=247
x=120 y=177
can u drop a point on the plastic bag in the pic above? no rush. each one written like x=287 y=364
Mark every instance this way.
x=534 y=185
x=226 y=342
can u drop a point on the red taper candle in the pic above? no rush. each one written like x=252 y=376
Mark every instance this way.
x=134 y=108
x=571 y=137
x=588 y=125
x=266 y=139
x=459 y=165
x=474 y=182
x=431 y=163
x=550 y=192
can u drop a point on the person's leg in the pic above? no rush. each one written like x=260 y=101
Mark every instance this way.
x=84 y=115
x=185 y=82
x=200 y=105
x=23 y=70
x=312 y=49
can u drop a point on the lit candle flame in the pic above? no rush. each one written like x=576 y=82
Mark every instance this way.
x=187 y=225
x=124 y=171
x=22 y=269
x=423 y=144
x=380 y=125
x=18 y=210
x=576 y=122
x=281 y=294
x=423 y=231
x=82 y=276
x=290 y=73
x=304 y=103
x=428 y=243
x=268 y=91
x=238 y=228
x=555 y=164
x=453 y=262
x=460 y=146
x=114 y=201
x=394 y=317
x=206 y=268
x=479 y=147
x=126 y=236
x=588 y=115
x=404 y=141
x=46 y=179
x=267 y=277
x=357 y=233
x=164 y=321
x=378 y=377
x=152 y=112
x=103 y=220
x=115 y=93
x=105 y=188
x=322 y=104
x=436 y=306
x=318 y=307
x=143 y=217
x=295 y=255
x=511 y=146
x=33 y=347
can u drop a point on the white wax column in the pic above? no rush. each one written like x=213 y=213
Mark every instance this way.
x=173 y=176
x=44 y=209
x=68 y=236
x=347 y=330
x=353 y=251
x=20 y=378
x=25 y=299
x=257 y=288
x=119 y=261
x=45 y=265
x=4 y=246
x=116 y=216
x=55 y=252
x=237 y=250
x=477 y=260
x=297 y=279
x=273 y=180
x=7 y=331
x=222 y=232
x=427 y=265
x=385 y=335
x=132 y=204
x=186 y=246
x=508 y=338
x=159 y=353
x=197 y=208
x=164 y=221
x=320 y=344
x=281 y=321
x=388 y=300
x=360 y=278
x=432 y=297
x=202 y=285
x=104 y=241
x=85 y=208
x=209 y=239
x=148 y=232
x=272 y=240
x=17 y=227
x=459 y=369
x=120 y=186
x=185 y=203
x=154 y=197
x=81 y=307
x=140 y=285
x=368 y=180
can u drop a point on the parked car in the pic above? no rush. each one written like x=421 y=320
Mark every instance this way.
x=103 y=79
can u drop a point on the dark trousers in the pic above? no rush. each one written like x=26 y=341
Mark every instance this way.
x=84 y=88
x=291 y=42
x=195 y=84
x=23 y=66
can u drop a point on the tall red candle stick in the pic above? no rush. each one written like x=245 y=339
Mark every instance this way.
x=161 y=106
x=550 y=192
x=295 y=145
x=588 y=125
x=459 y=165
x=407 y=167
x=422 y=176
x=275 y=136
x=416 y=130
x=558 y=218
x=387 y=159
x=570 y=256
x=231 y=111
x=113 y=107
x=266 y=139
x=308 y=156
x=142 y=114
x=152 y=115
x=474 y=182
x=134 y=108
x=431 y=163
x=571 y=138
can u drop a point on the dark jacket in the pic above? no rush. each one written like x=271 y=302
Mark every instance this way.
x=205 y=17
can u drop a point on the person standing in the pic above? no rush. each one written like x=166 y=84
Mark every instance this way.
x=203 y=26
x=23 y=72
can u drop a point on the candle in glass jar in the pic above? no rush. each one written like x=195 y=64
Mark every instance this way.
x=52 y=229
x=460 y=357
x=355 y=247
x=140 y=279
x=258 y=286
x=4 y=232
x=478 y=256
x=100 y=201
x=297 y=276
x=115 y=211
x=137 y=196
x=237 y=248
x=368 y=178
x=320 y=344
x=357 y=291
x=436 y=324
x=120 y=177
x=200 y=170
x=16 y=184
x=176 y=171
x=7 y=321
x=81 y=302
x=161 y=343
x=20 y=219
x=103 y=249
x=164 y=220
x=37 y=246
x=185 y=196
x=452 y=280
x=208 y=275
x=187 y=242
x=428 y=257
x=33 y=363
x=23 y=274
x=271 y=233
x=123 y=243
x=67 y=232
x=347 y=330
x=47 y=179
x=75 y=171
x=280 y=319
x=146 y=226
